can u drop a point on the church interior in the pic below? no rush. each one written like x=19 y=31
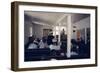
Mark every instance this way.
x=56 y=36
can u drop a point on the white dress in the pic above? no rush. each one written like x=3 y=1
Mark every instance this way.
x=41 y=44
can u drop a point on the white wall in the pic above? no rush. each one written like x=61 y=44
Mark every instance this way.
x=39 y=30
x=5 y=37
x=27 y=31
x=84 y=23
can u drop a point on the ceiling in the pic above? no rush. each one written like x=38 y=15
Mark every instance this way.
x=52 y=17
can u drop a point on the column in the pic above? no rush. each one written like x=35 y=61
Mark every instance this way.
x=54 y=30
x=59 y=32
x=85 y=36
x=31 y=31
x=69 y=36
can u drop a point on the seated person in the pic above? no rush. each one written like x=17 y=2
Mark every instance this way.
x=55 y=49
x=74 y=46
x=30 y=41
x=33 y=45
x=54 y=46
x=43 y=44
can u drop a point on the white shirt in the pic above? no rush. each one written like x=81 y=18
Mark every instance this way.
x=42 y=45
x=55 y=47
x=32 y=46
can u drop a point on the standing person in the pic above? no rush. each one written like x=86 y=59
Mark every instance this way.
x=63 y=40
x=63 y=32
x=50 y=38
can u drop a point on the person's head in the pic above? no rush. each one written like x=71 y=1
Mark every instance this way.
x=63 y=31
x=38 y=40
x=30 y=39
x=33 y=37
